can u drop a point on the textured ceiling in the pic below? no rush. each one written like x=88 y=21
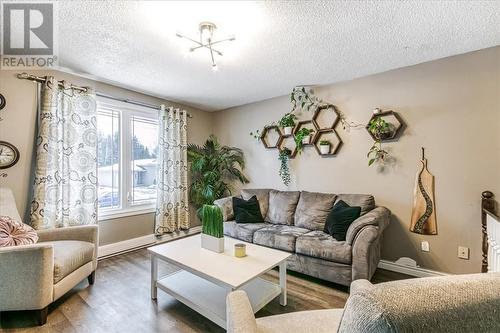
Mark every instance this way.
x=279 y=44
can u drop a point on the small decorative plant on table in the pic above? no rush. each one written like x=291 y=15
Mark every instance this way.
x=212 y=234
x=324 y=147
x=380 y=130
x=303 y=137
x=284 y=158
x=287 y=122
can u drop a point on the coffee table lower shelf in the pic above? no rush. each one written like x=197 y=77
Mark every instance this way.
x=209 y=299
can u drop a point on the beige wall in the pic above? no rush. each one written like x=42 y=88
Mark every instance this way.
x=452 y=108
x=18 y=128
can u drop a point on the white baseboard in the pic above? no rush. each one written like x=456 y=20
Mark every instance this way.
x=143 y=241
x=408 y=270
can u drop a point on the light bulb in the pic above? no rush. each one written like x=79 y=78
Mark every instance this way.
x=215 y=68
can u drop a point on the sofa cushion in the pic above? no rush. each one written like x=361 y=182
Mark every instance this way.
x=247 y=211
x=13 y=232
x=317 y=321
x=365 y=201
x=69 y=255
x=280 y=237
x=242 y=231
x=262 y=196
x=226 y=205
x=318 y=244
x=312 y=210
x=340 y=218
x=282 y=206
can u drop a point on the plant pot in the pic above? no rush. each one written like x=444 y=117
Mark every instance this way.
x=288 y=130
x=212 y=243
x=306 y=140
x=324 y=149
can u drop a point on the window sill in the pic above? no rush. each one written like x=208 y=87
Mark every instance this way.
x=111 y=215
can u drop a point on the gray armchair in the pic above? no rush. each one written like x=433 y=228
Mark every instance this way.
x=455 y=303
x=33 y=276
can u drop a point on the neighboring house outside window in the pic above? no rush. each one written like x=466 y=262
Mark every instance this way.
x=126 y=159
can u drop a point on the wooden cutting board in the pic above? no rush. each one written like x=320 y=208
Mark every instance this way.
x=423 y=216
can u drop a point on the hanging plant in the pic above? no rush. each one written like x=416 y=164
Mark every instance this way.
x=376 y=153
x=302 y=99
x=380 y=128
x=284 y=172
x=256 y=134
x=303 y=136
x=306 y=101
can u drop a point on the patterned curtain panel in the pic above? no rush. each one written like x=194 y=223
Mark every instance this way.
x=65 y=179
x=172 y=207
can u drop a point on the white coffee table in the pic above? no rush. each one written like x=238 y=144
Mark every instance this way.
x=207 y=277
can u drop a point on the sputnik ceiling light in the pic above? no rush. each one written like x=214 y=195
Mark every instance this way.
x=207 y=30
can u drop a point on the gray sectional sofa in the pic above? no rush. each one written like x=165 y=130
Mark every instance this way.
x=294 y=222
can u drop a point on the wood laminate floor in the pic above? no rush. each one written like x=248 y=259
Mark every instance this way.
x=119 y=301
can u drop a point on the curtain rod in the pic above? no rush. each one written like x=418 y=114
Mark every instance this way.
x=41 y=79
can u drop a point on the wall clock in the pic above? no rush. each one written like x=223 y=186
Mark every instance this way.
x=9 y=155
x=2 y=102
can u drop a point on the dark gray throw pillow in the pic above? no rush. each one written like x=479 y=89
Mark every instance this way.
x=340 y=218
x=247 y=211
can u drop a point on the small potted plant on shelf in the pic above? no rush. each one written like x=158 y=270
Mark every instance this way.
x=287 y=122
x=380 y=129
x=303 y=136
x=212 y=232
x=324 y=147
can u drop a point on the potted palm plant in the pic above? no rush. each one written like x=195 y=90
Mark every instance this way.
x=287 y=122
x=213 y=168
x=324 y=147
x=212 y=232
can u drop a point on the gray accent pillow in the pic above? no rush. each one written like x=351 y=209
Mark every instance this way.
x=365 y=201
x=262 y=196
x=312 y=210
x=226 y=205
x=282 y=206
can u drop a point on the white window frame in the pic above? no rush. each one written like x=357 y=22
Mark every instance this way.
x=127 y=111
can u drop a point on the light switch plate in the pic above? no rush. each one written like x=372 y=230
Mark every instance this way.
x=463 y=252
x=425 y=246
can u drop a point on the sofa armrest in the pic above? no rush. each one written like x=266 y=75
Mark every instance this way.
x=84 y=233
x=366 y=253
x=239 y=313
x=454 y=303
x=379 y=216
x=26 y=277
x=226 y=205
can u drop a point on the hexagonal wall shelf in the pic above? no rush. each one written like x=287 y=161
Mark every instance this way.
x=271 y=137
x=289 y=142
x=391 y=118
x=331 y=136
x=326 y=117
x=306 y=124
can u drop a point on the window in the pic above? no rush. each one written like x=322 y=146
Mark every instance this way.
x=126 y=159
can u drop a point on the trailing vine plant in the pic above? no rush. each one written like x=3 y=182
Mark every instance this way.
x=284 y=172
x=306 y=101
x=380 y=130
x=301 y=135
x=300 y=97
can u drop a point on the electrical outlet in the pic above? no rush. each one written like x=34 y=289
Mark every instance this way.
x=425 y=246
x=463 y=252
